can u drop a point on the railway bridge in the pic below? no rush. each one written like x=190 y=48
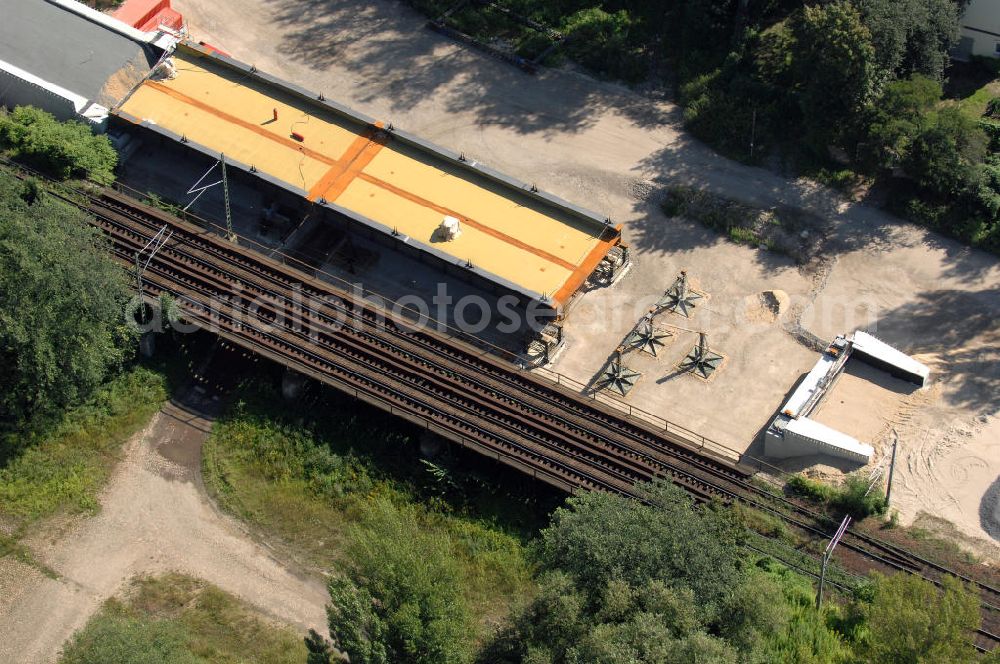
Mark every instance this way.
x=449 y=386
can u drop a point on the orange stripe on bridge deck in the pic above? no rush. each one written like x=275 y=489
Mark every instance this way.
x=202 y=106
x=413 y=198
x=586 y=268
x=354 y=160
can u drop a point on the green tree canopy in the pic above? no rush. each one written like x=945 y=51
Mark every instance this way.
x=599 y=538
x=625 y=581
x=911 y=36
x=946 y=156
x=62 y=149
x=62 y=328
x=909 y=621
x=400 y=600
x=897 y=118
x=834 y=68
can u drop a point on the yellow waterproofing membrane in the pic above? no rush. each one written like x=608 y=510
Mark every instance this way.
x=538 y=247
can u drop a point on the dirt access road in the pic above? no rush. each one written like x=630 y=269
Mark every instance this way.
x=155 y=517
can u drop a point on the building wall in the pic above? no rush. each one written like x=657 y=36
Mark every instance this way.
x=16 y=91
x=981 y=29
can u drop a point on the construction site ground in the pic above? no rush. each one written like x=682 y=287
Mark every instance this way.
x=862 y=400
x=612 y=149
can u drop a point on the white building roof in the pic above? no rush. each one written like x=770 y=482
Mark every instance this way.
x=825 y=435
x=880 y=350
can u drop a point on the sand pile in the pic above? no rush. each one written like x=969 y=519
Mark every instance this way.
x=766 y=307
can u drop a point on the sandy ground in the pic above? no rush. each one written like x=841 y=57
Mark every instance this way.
x=154 y=517
x=863 y=401
x=602 y=146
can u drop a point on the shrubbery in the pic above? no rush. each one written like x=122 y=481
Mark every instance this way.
x=604 y=42
x=176 y=619
x=62 y=331
x=413 y=574
x=62 y=149
x=852 y=497
x=617 y=580
x=401 y=597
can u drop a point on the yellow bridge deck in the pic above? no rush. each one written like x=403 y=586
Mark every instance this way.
x=536 y=246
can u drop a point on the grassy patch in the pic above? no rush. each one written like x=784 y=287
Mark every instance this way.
x=766 y=524
x=805 y=625
x=778 y=229
x=175 y=619
x=940 y=547
x=11 y=547
x=975 y=105
x=320 y=475
x=852 y=497
x=62 y=465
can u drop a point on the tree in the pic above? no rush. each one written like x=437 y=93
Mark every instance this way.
x=62 y=329
x=834 y=69
x=63 y=149
x=911 y=36
x=599 y=538
x=621 y=624
x=625 y=581
x=910 y=622
x=897 y=118
x=318 y=647
x=603 y=42
x=400 y=598
x=946 y=156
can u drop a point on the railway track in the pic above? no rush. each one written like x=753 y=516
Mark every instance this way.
x=620 y=452
x=448 y=386
x=340 y=336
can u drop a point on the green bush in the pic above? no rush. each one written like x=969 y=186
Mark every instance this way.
x=854 y=498
x=674 y=203
x=62 y=149
x=400 y=598
x=602 y=42
x=993 y=108
x=62 y=331
x=177 y=619
x=908 y=619
x=533 y=44
x=807 y=488
x=849 y=498
x=124 y=640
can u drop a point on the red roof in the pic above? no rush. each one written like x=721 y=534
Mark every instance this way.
x=147 y=15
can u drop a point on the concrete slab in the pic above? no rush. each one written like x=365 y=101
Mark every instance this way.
x=68 y=50
x=405 y=188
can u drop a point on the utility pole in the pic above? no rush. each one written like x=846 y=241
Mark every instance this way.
x=198 y=189
x=827 y=555
x=753 y=131
x=892 y=465
x=225 y=195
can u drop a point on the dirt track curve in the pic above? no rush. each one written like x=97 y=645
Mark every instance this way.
x=155 y=517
